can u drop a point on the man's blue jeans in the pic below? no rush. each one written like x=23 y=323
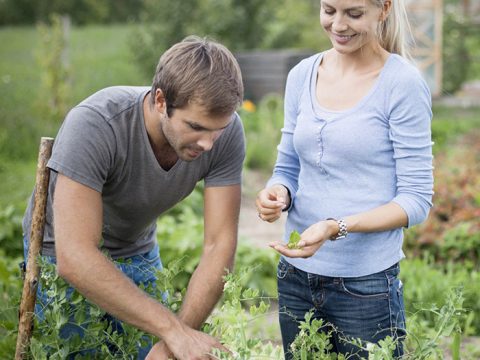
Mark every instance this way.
x=139 y=268
x=368 y=307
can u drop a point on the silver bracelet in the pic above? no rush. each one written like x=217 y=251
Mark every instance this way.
x=342 y=229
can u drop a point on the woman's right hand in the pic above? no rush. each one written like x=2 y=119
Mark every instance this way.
x=271 y=201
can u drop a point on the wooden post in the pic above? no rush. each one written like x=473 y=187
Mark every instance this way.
x=29 y=294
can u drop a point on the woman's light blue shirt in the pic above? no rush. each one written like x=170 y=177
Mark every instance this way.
x=340 y=163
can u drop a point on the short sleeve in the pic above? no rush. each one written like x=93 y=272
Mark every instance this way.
x=228 y=157
x=84 y=148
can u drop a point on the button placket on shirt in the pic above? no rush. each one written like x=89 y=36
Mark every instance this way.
x=320 y=145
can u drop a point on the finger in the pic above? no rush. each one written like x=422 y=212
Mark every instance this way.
x=267 y=211
x=223 y=348
x=269 y=218
x=292 y=253
x=270 y=197
x=270 y=204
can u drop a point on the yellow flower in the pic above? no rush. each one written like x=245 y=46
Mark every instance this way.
x=249 y=106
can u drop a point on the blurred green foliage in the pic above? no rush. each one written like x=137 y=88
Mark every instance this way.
x=455 y=52
x=98 y=57
x=238 y=24
x=262 y=129
x=14 y=12
x=10 y=292
x=180 y=236
x=52 y=57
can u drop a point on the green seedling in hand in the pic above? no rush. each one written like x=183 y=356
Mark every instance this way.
x=294 y=239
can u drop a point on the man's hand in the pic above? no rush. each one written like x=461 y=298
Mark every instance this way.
x=271 y=201
x=187 y=344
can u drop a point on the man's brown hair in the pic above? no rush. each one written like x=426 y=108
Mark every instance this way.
x=200 y=71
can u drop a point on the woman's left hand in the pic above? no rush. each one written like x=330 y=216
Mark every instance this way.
x=311 y=240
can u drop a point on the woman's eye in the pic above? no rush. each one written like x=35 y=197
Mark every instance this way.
x=328 y=11
x=355 y=15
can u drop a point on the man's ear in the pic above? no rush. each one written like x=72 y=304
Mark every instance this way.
x=160 y=103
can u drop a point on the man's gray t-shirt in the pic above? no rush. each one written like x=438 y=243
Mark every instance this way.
x=103 y=144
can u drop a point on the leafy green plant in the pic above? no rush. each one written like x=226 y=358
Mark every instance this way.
x=262 y=131
x=451 y=232
x=233 y=321
x=422 y=343
x=11 y=231
x=426 y=283
x=425 y=343
x=180 y=236
x=455 y=51
x=10 y=292
x=313 y=341
x=294 y=240
x=90 y=326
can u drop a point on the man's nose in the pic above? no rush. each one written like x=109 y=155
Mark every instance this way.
x=208 y=139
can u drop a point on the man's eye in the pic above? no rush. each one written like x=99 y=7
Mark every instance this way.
x=328 y=11
x=195 y=127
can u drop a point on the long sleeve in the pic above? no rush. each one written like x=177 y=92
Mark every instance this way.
x=287 y=166
x=410 y=133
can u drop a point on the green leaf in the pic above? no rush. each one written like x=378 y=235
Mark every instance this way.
x=294 y=239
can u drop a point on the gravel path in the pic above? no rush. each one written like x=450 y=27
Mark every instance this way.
x=251 y=228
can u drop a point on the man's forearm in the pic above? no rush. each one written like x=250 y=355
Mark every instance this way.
x=111 y=290
x=206 y=284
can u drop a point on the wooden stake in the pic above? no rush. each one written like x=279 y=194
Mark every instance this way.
x=29 y=294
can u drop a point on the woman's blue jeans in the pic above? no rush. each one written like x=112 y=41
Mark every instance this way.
x=141 y=269
x=369 y=307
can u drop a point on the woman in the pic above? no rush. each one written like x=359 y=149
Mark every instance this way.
x=354 y=167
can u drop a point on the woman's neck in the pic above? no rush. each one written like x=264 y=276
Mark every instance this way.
x=362 y=61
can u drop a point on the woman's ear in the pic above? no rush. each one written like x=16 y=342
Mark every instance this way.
x=387 y=7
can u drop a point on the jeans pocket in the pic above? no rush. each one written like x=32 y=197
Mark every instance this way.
x=398 y=306
x=282 y=269
x=371 y=286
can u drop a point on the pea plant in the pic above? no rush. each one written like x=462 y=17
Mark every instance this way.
x=293 y=240
x=234 y=322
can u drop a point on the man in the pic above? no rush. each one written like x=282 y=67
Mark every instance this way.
x=123 y=157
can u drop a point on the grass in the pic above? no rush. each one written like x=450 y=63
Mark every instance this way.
x=17 y=179
x=448 y=123
x=99 y=57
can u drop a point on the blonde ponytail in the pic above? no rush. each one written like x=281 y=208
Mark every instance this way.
x=395 y=33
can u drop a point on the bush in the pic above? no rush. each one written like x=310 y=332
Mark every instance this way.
x=239 y=25
x=10 y=293
x=11 y=232
x=452 y=230
x=262 y=129
x=426 y=284
x=455 y=51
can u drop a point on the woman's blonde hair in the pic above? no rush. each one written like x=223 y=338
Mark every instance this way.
x=394 y=32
